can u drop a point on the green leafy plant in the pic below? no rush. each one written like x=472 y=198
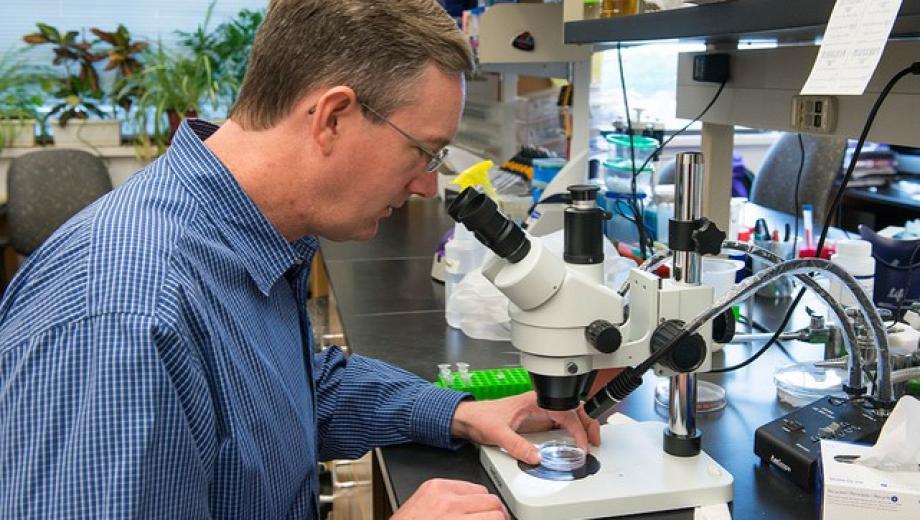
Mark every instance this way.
x=233 y=43
x=79 y=91
x=22 y=87
x=172 y=85
x=227 y=45
x=123 y=57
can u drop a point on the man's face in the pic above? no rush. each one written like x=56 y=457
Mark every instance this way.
x=379 y=168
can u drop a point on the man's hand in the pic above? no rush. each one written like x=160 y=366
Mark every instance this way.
x=498 y=423
x=451 y=499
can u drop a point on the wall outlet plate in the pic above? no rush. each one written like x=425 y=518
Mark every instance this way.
x=814 y=114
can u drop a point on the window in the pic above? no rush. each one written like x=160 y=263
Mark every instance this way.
x=651 y=83
x=145 y=19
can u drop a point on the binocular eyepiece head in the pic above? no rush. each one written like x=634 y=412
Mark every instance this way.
x=482 y=217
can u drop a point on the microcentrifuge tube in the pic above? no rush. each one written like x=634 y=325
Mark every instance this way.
x=444 y=370
x=464 y=369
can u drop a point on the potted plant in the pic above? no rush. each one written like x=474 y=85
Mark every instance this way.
x=123 y=57
x=172 y=86
x=227 y=46
x=78 y=91
x=21 y=89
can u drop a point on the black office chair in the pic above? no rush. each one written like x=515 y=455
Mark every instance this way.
x=46 y=188
x=774 y=184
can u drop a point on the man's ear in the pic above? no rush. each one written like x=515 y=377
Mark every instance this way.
x=329 y=113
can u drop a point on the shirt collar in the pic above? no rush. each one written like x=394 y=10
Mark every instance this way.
x=264 y=252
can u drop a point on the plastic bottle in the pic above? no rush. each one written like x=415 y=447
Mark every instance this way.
x=855 y=257
x=462 y=254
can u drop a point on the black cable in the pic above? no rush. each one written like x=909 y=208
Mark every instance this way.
x=914 y=68
x=774 y=340
x=685 y=127
x=640 y=226
x=666 y=141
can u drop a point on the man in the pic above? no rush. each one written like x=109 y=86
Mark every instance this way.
x=155 y=353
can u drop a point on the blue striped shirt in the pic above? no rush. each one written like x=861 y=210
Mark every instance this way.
x=156 y=360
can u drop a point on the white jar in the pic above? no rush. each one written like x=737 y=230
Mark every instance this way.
x=855 y=257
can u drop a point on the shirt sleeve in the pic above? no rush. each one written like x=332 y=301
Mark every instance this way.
x=363 y=403
x=106 y=417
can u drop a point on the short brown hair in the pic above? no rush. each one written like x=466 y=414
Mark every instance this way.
x=378 y=48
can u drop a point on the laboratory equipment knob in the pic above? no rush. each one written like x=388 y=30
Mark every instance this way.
x=723 y=327
x=604 y=336
x=686 y=355
x=708 y=238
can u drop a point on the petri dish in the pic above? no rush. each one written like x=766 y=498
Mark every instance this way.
x=710 y=397
x=802 y=383
x=559 y=455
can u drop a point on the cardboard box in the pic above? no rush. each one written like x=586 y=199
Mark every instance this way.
x=853 y=491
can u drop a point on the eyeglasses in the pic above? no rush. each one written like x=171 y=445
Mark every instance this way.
x=435 y=159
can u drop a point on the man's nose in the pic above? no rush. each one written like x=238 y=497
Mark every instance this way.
x=425 y=185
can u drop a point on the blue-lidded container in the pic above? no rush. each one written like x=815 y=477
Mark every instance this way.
x=544 y=170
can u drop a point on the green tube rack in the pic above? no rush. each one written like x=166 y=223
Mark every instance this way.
x=491 y=383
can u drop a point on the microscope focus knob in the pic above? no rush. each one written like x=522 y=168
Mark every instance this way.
x=604 y=336
x=687 y=355
x=708 y=238
x=723 y=327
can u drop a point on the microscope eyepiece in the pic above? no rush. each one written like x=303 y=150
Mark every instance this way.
x=481 y=216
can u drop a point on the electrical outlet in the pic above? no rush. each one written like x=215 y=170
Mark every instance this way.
x=814 y=114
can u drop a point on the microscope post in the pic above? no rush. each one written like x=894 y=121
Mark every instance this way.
x=687 y=270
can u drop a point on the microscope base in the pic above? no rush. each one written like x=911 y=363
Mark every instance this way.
x=636 y=476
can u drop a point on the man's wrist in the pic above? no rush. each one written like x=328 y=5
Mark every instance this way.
x=460 y=424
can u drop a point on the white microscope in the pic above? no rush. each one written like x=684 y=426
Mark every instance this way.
x=568 y=324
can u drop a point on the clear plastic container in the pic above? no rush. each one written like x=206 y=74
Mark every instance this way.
x=620 y=147
x=618 y=176
x=710 y=397
x=536 y=106
x=719 y=273
x=540 y=130
x=559 y=455
x=802 y=383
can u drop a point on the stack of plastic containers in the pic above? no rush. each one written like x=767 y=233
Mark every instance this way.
x=626 y=155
